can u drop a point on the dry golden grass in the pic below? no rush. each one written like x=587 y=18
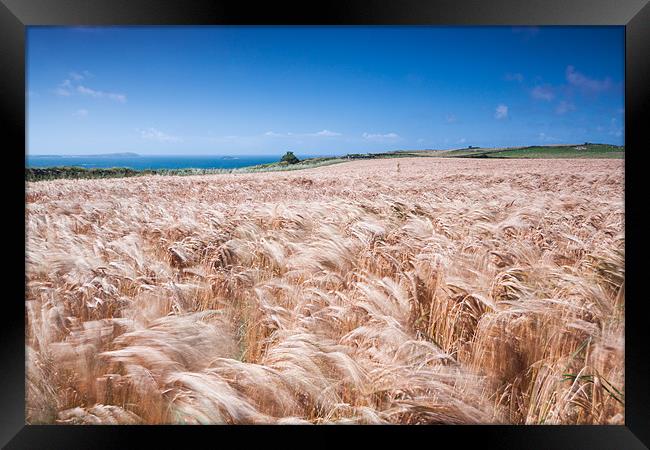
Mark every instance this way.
x=445 y=292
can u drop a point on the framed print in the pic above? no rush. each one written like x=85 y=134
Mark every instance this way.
x=378 y=217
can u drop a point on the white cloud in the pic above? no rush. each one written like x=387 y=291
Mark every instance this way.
x=100 y=94
x=615 y=128
x=564 y=107
x=451 y=118
x=543 y=93
x=327 y=133
x=157 y=135
x=64 y=89
x=87 y=91
x=514 y=77
x=322 y=133
x=72 y=84
x=76 y=76
x=501 y=112
x=380 y=137
x=62 y=92
x=81 y=113
x=545 y=137
x=585 y=83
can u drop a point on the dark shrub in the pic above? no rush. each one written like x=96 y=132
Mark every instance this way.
x=290 y=158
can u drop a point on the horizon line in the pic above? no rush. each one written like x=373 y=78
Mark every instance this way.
x=27 y=154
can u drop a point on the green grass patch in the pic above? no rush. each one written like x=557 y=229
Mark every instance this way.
x=582 y=151
x=54 y=173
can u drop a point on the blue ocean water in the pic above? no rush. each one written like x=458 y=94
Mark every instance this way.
x=139 y=162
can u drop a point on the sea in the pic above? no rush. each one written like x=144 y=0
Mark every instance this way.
x=140 y=162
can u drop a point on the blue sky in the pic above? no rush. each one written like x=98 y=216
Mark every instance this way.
x=320 y=90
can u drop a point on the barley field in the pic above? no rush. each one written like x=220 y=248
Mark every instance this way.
x=410 y=291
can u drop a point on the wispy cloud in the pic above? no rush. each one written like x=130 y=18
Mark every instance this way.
x=615 y=129
x=322 y=133
x=64 y=89
x=545 y=137
x=451 y=118
x=564 y=107
x=72 y=85
x=380 y=137
x=62 y=92
x=81 y=113
x=586 y=84
x=501 y=112
x=544 y=92
x=76 y=76
x=327 y=133
x=100 y=94
x=514 y=77
x=153 y=134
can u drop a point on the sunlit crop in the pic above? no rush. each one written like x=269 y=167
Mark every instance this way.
x=445 y=291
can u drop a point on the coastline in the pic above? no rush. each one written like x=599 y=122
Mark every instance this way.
x=574 y=151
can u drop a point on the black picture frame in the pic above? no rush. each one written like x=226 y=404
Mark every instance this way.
x=15 y=15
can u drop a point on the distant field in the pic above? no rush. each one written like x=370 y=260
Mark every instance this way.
x=560 y=151
x=410 y=291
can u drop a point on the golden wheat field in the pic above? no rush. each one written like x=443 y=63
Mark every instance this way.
x=409 y=291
